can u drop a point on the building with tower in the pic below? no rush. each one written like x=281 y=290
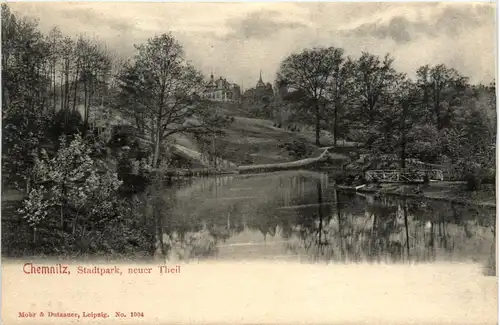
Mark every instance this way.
x=261 y=92
x=220 y=90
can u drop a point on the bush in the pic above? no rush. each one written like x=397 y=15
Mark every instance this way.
x=489 y=176
x=296 y=149
x=473 y=182
x=66 y=122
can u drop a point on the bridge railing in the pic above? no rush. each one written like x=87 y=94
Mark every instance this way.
x=402 y=175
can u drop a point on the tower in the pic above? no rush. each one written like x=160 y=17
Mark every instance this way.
x=260 y=83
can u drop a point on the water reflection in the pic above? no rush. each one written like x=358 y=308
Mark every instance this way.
x=300 y=216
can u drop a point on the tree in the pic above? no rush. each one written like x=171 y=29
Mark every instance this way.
x=71 y=182
x=310 y=72
x=158 y=90
x=470 y=140
x=24 y=61
x=213 y=147
x=372 y=80
x=24 y=85
x=339 y=92
x=371 y=94
x=442 y=90
x=93 y=68
x=426 y=143
x=54 y=40
x=67 y=64
x=404 y=112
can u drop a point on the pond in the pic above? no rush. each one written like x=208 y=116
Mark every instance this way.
x=300 y=216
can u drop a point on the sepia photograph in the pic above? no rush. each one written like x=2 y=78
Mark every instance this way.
x=249 y=163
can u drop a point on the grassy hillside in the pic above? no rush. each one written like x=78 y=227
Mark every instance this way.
x=256 y=141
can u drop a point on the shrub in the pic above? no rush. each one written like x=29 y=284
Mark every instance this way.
x=473 y=182
x=296 y=149
x=489 y=176
x=66 y=122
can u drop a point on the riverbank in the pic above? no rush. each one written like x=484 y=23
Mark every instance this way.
x=453 y=192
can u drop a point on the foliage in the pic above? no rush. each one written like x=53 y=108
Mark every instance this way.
x=65 y=122
x=35 y=207
x=159 y=91
x=437 y=117
x=70 y=182
x=296 y=149
x=309 y=72
x=39 y=73
x=373 y=78
x=441 y=92
x=22 y=135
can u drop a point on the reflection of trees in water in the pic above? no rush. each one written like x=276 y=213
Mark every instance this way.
x=283 y=191
x=395 y=230
x=328 y=224
x=185 y=229
x=195 y=216
x=340 y=234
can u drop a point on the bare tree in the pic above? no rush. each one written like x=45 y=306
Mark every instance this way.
x=67 y=59
x=94 y=67
x=54 y=40
x=159 y=89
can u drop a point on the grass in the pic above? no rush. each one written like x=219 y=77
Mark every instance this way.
x=254 y=141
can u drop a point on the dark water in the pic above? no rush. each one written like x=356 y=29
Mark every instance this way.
x=300 y=216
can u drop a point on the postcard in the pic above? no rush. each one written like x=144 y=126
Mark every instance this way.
x=249 y=163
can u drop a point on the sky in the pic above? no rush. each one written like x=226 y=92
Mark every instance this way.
x=238 y=40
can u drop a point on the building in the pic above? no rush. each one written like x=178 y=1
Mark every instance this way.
x=263 y=92
x=221 y=90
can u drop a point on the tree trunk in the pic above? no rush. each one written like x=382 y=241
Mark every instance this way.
x=75 y=80
x=28 y=185
x=403 y=150
x=152 y=132
x=320 y=214
x=156 y=157
x=335 y=128
x=85 y=107
x=213 y=152
x=62 y=92
x=341 y=231
x=63 y=203
x=405 y=211
x=403 y=133
x=66 y=90
x=317 y=124
x=160 y=235
x=437 y=108
x=5 y=99
x=55 y=88
x=62 y=215
x=75 y=222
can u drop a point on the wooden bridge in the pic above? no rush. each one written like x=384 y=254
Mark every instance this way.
x=404 y=175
